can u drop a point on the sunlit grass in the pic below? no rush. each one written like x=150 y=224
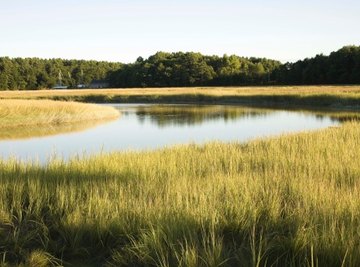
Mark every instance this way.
x=309 y=96
x=15 y=112
x=263 y=90
x=41 y=130
x=286 y=201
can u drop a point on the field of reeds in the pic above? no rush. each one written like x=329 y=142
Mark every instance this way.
x=18 y=112
x=306 y=96
x=292 y=200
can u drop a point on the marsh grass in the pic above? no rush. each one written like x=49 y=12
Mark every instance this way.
x=42 y=130
x=16 y=112
x=286 y=201
x=309 y=96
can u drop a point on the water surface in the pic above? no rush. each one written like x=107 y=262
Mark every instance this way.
x=154 y=126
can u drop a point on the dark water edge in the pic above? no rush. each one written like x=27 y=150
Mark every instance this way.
x=279 y=101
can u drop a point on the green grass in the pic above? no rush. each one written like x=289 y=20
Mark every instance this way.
x=286 y=201
x=17 y=112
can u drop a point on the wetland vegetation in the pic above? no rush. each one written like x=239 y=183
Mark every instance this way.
x=336 y=97
x=290 y=200
x=204 y=160
x=150 y=126
x=44 y=130
x=285 y=201
x=24 y=113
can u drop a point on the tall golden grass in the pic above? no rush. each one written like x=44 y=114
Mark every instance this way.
x=253 y=90
x=42 y=130
x=17 y=112
x=286 y=201
x=309 y=96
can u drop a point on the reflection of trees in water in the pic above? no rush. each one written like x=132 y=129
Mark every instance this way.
x=165 y=115
x=336 y=116
x=13 y=133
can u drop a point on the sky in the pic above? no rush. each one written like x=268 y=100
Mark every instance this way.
x=121 y=30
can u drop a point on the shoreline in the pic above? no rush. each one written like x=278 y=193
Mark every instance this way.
x=334 y=97
x=31 y=113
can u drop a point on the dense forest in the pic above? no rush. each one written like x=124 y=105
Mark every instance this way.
x=340 y=67
x=35 y=73
x=182 y=69
x=193 y=69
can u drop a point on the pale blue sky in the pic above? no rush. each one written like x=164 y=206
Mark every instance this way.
x=123 y=30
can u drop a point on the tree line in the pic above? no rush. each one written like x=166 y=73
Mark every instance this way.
x=182 y=69
x=340 y=67
x=36 y=73
x=193 y=69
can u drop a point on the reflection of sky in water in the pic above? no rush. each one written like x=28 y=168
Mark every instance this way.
x=133 y=132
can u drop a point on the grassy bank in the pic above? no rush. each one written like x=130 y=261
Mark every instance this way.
x=42 y=130
x=310 y=96
x=286 y=201
x=17 y=112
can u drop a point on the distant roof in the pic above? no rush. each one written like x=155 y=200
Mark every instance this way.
x=99 y=82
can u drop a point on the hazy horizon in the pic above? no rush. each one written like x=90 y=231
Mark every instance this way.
x=121 y=31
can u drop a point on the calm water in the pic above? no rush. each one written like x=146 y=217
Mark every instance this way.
x=153 y=126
